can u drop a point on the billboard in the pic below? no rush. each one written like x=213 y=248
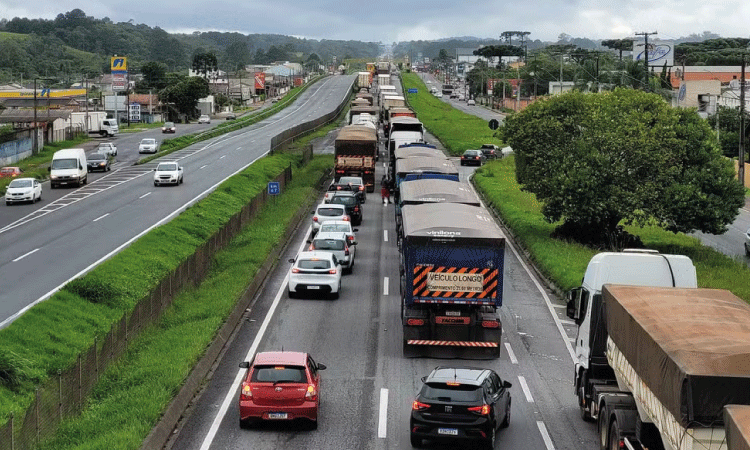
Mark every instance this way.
x=260 y=81
x=43 y=93
x=659 y=52
x=118 y=64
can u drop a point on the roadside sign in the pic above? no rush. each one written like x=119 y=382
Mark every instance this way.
x=135 y=112
x=413 y=90
x=274 y=188
x=494 y=124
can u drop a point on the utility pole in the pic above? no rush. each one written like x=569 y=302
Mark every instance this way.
x=741 y=162
x=645 y=54
x=86 y=125
x=36 y=134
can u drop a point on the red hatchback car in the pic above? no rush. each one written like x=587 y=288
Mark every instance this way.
x=10 y=172
x=280 y=386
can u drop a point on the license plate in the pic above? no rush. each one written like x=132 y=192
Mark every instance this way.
x=448 y=431
x=313 y=287
x=277 y=416
x=453 y=313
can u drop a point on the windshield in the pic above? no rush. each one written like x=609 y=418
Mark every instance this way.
x=330 y=212
x=167 y=167
x=148 y=141
x=96 y=157
x=20 y=184
x=334 y=227
x=168 y=124
x=328 y=244
x=443 y=392
x=105 y=146
x=68 y=163
x=353 y=180
x=279 y=374
x=348 y=201
x=314 y=264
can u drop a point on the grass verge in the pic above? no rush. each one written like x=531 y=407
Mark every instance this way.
x=132 y=393
x=455 y=129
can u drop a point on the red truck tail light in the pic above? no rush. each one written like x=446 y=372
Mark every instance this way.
x=356 y=209
x=476 y=157
x=311 y=247
x=490 y=324
x=246 y=393
x=483 y=410
x=295 y=270
x=419 y=406
x=415 y=322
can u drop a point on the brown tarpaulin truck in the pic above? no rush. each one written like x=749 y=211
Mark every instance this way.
x=355 y=150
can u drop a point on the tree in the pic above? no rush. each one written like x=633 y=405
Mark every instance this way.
x=205 y=63
x=237 y=54
x=154 y=76
x=598 y=160
x=619 y=45
x=185 y=94
x=498 y=51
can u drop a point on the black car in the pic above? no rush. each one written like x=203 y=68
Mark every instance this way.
x=352 y=204
x=491 y=151
x=475 y=157
x=460 y=403
x=98 y=161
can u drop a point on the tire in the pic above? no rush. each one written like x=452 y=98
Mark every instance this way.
x=7 y=203
x=415 y=441
x=490 y=442
x=313 y=425
x=585 y=412
x=337 y=294
x=747 y=250
x=155 y=183
x=603 y=428
x=614 y=436
x=291 y=294
x=506 y=420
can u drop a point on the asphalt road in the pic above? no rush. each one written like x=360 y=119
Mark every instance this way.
x=368 y=386
x=43 y=246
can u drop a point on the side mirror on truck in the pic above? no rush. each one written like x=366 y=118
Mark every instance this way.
x=574 y=304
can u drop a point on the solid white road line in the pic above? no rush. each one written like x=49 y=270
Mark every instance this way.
x=385 y=285
x=145 y=195
x=231 y=396
x=383 y=413
x=385 y=235
x=25 y=255
x=223 y=156
x=511 y=355
x=100 y=217
x=525 y=388
x=545 y=435
x=203 y=166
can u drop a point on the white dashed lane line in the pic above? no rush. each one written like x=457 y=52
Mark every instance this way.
x=145 y=195
x=25 y=255
x=100 y=217
x=525 y=388
x=385 y=285
x=511 y=355
x=383 y=414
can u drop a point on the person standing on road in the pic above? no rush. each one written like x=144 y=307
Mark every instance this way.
x=385 y=191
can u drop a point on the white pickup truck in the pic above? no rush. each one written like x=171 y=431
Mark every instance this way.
x=168 y=172
x=107 y=148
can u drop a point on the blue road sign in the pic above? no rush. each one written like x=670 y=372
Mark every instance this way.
x=274 y=188
x=413 y=90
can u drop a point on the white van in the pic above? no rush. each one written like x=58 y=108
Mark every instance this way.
x=68 y=166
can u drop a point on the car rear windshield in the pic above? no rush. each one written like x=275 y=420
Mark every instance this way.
x=348 y=201
x=334 y=227
x=330 y=212
x=472 y=153
x=314 y=264
x=148 y=141
x=328 y=244
x=279 y=374
x=339 y=187
x=445 y=393
x=353 y=180
x=20 y=183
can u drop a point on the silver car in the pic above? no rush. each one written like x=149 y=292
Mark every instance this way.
x=340 y=226
x=148 y=145
x=339 y=245
x=326 y=212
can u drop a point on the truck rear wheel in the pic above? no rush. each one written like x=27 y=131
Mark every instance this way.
x=614 y=436
x=603 y=428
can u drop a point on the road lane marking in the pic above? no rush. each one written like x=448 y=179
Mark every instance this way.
x=231 y=396
x=511 y=355
x=525 y=388
x=385 y=285
x=100 y=217
x=545 y=436
x=27 y=254
x=145 y=195
x=203 y=166
x=383 y=414
x=559 y=306
x=385 y=235
x=239 y=148
x=224 y=156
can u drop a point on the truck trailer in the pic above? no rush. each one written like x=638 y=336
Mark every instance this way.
x=737 y=426
x=364 y=80
x=679 y=356
x=412 y=150
x=418 y=192
x=355 y=150
x=451 y=280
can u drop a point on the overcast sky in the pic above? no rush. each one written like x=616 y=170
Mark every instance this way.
x=389 y=20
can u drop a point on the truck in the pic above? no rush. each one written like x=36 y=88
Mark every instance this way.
x=364 y=80
x=423 y=167
x=384 y=67
x=94 y=123
x=355 y=151
x=451 y=281
x=630 y=267
x=366 y=96
x=412 y=150
x=737 y=426
x=396 y=111
x=417 y=192
x=384 y=79
x=403 y=130
x=356 y=111
x=391 y=101
x=384 y=90
x=678 y=356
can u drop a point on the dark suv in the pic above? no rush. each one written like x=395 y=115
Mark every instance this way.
x=351 y=203
x=460 y=403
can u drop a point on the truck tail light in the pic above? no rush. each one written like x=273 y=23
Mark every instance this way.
x=295 y=270
x=246 y=393
x=356 y=209
x=490 y=324
x=483 y=410
x=362 y=188
x=416 y=405
x=415 y=322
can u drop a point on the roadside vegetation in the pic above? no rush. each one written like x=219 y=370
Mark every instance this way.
x=455 y=129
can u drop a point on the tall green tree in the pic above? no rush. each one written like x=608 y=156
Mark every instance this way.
x=619 y=44
x=598 y=160
x=237 y=54
x=205 y=63
x=184 y=95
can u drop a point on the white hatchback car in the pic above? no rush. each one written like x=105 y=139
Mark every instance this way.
x=168 y=172
x=23 y=190
x=327 y=211
x=339 y=245
x=471 y=102
x=204 y=119
x=315 y=272
x=148 y=145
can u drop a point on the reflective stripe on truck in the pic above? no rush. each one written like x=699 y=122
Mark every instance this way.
x=452 y=343
x=454 y=283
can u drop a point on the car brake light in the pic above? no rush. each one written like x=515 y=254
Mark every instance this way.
x=415 y=322
x=312 y=393
x=295 y=270
x=345 y=218
x=246 y=393
x=315 y=218
x=476 y=157
x=362 y=188
x=338 y=188
x=419 y=406
x=312 y=247
x=356 y=209
x=346 y=250
x=332 y=271
x=490 y=324
x=483 y=410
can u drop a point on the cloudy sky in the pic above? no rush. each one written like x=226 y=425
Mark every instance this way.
x=389 y=20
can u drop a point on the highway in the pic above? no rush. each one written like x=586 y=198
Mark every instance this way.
x=368 y=386
x=43 y=246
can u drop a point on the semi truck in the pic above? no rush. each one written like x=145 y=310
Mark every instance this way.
x=403 y=130
x=417 y=192
x=355 y=151
x=451 y=281
x=396 y=111
x=391 y=101
x=384 y=67
x=356 y=111
x=364 y=80
x=384 y=79
x=410 y=151
x=678 y=356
